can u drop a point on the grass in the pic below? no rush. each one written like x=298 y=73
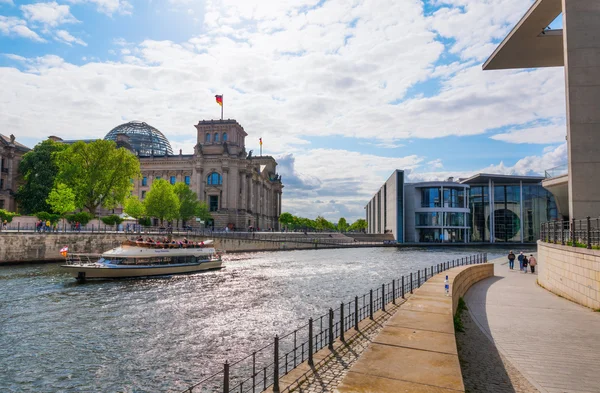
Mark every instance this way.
x=458 y=325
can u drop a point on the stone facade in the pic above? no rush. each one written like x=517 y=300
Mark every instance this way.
x=11 y=153
x=571 y=272
x=240 y=189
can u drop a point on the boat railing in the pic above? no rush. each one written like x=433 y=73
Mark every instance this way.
x=158 y=244
x=82 y=259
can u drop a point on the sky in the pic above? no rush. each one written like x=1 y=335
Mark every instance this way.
x=342 y=92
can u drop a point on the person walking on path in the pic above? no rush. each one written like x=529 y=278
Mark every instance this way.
x=525 y=261
x=511 y=260
x=520 y=258
x=532 y=263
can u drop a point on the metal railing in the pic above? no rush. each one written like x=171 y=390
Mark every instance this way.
x=575 y=233
x=263 y=367
x=556 y=171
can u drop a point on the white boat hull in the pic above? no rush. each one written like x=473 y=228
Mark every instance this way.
x=91 y=271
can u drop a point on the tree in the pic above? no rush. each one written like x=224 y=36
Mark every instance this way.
x=202 y=212
x=342 y=225
x=61 y=199
x=359 y=225
x=38 y=169
x=188 y=201
x=322 y=224
x=98 y=173
x=286 y=219
x=134 y=207
x=161 y=201
x=82 y=218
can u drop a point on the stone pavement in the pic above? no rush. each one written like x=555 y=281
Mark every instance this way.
x=553 y=342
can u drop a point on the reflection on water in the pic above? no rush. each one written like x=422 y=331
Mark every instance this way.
x=161 y=334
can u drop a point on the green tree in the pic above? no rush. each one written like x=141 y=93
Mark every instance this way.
x=38 y=170
x=188 y=201
x=287 y=220
x=7 y=216
x=342 y=225
x=134 y=207
x=61 y=199
x=161 y=201
x=82 y=218
x=202 y=212
x=321 y=224
x=98 y=173
x=359 y=225
x=113 y=219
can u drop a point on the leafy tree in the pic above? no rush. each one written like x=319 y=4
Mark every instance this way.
x=82 y=217
x=321 y=224
x=161 y=201
x=6 y=215
x=98 y=173
x=286 y=219
x=38 y=169
x=113 y=219
x=45 y=216
x=359 y=225
x=202 y=211
x=188 y=201
x=134 y=207
x=61 y=199
x=342 y=225
x=145 y=221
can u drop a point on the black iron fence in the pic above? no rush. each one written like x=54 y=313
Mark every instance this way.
x=575 y=233
x=263 y=367
x=320 y=238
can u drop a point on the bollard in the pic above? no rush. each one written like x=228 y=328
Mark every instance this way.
x=356 y=313
x=589 y=231
x=310 y=342
x=276 y=366
x=342 y=323
x=394 y=292
x=226 y=377
x=331 y=329
x=371 y=304
x=402 y=287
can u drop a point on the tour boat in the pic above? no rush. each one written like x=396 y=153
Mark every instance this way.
x=143 y=259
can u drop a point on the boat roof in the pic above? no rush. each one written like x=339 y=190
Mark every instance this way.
x=147 y=252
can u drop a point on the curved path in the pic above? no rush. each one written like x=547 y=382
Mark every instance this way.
x=553 y=342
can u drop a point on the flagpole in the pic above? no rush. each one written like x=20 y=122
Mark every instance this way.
x=222 y=103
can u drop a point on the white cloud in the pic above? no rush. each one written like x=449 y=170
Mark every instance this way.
x=436 y=164
x=553 y=133
x=11 y=26
x=66 y=37
x=9 y=2
x=109 y=7
x=48 y=14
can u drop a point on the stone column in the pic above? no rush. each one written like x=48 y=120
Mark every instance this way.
x=582 y=73
x=225 y=193
x=242 y=175
x=9 y=180
x=201 y=184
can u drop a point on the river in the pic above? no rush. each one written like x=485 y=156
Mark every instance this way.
x=161 y=334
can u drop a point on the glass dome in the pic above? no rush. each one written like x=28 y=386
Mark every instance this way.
x=141 y=138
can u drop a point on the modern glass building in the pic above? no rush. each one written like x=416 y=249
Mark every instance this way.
x=462 y=211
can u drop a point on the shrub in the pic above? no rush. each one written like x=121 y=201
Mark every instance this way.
x=6 y=215
x=113 y=219
x=145 y=221
x=45 y=216
x=82 y=217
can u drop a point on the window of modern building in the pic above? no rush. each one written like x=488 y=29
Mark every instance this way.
x=224 y=137
x=452 y=219
x=143 y=194
x=187 y=180
x=216 y=137
x=213 y=203
x=144 y=181
x=214 y=179
x=173 y=179
x=480 y=210
x=430 y=197
x=454 y=197
x=207 y=138
x=428 y=219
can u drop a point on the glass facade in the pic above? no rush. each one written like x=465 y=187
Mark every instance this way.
x=143 y=139
x=438 y=235
x=452 y=219
x=433 y=219
x=454 y=197
x=430 y=197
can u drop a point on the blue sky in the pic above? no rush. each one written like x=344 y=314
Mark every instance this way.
x=342 y=92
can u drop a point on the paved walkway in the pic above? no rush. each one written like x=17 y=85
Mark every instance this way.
x=553 y=342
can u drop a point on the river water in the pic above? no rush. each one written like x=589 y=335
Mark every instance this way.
x=160 y=335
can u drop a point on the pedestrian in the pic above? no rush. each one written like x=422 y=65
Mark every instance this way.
x=48 y=227
x=520 y=258
x=511 y=260
x=532 y=263
x=525 y=261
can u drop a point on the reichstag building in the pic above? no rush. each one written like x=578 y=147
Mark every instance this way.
x=240 y=189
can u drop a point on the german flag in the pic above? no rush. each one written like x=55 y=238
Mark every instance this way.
x=219 y=99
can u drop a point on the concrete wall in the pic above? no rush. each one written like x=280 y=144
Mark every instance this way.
x=32 y=247
x=571 y=272
x=467 y=278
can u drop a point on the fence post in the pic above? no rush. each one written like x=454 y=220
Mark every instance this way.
x=342 y=323
x=402 y=287
x=394 y=292
x=253 y=371
x=485 y=257
x=356 y=313
x=276 y=366
x=331 y=329
x=226 y=377
x=310 y=342
x=562 y=230
x=411 y=283
x=371 y=304
x=573 y=235
x=418 y=278
x=19 y=226
x=589 y=234
x=382 y=297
